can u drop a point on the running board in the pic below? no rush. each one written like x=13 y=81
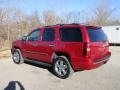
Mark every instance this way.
x=38 y=62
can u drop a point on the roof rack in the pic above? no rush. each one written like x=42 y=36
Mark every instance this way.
x=68 y=24
x=75 y=24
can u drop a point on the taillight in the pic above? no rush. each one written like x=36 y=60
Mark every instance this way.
x=107 y=43
x=86 y=49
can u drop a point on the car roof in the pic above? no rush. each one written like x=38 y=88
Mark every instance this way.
x=71 y=25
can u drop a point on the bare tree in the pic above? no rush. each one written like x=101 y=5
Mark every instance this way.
x=72 y=17
x=102 y=12
x=50 y=17
x=34 y=19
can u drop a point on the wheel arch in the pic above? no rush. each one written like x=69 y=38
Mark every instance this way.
x=16 y=47
x=60 y=53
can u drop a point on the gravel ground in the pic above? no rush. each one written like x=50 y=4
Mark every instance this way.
x=29 y=77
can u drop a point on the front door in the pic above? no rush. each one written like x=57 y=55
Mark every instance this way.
x=30 y=47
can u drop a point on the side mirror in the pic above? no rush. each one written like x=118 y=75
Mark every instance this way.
x=24 y=38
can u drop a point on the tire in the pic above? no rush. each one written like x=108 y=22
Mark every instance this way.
x=17 y=57
x=62 y=67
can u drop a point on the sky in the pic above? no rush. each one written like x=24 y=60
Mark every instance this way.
x=60 y=6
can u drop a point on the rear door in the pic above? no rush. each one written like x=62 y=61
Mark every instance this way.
x=47 y=44
x=98 y=43
x=72 y=38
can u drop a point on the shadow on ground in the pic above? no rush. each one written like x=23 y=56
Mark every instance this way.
x=41 y=66
x=14 y=85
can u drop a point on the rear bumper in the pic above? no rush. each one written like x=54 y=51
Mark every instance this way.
x=104 y=59
x=88 y=64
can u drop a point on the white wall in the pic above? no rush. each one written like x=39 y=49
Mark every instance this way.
x=112 y=33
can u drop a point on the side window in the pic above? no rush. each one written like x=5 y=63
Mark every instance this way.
x=48 y=35
x=34 y=36
x=71 y=34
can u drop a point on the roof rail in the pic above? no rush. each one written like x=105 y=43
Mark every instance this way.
x=60 y=24
x=68 y=24
x=55 y=25
x=76 y=23
x=50 y=25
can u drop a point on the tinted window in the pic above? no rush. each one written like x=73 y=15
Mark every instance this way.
x=71 y=34
x=97 y=35
x=34 y=36
x=48 y=34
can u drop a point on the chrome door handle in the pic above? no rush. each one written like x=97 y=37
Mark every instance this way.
x=51 y=45
x=35 y=45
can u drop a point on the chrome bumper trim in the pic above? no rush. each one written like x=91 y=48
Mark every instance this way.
x=102 y=60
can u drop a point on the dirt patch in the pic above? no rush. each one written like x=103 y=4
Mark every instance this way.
x=5 y=53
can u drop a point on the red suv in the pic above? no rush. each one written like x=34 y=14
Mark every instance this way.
x=65 y=47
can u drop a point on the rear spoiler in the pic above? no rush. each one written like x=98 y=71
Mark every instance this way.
x=94 y=27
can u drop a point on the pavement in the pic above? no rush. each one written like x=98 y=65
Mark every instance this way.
x=32 y=77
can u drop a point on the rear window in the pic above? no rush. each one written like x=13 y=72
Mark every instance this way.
x=97 y=35
x=71 y=34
